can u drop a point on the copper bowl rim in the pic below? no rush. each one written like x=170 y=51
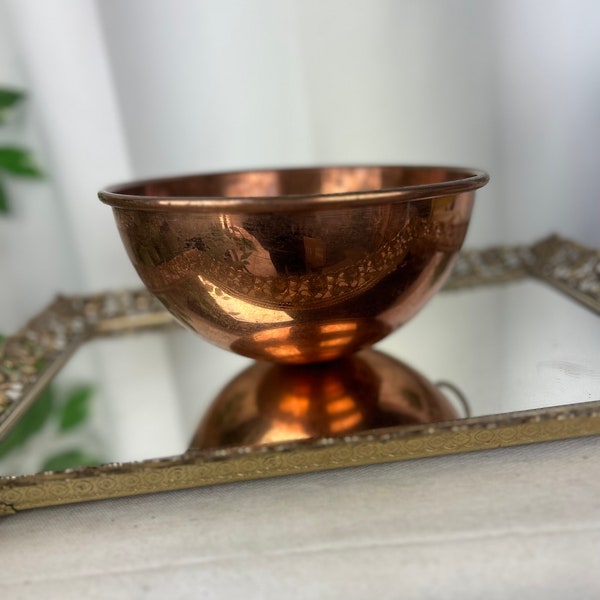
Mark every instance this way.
x=466 y=180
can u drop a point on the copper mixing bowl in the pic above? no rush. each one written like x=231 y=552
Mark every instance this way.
x=296 y=265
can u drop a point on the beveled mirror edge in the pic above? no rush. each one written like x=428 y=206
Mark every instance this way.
x=32 y=357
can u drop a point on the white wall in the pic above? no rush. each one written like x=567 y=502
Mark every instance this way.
x=217 y=85
x=509 y=86
x=549 y=126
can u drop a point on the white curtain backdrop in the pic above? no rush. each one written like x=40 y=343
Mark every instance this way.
x=122 y=90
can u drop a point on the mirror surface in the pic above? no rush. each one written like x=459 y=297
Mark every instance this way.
x=506 y=348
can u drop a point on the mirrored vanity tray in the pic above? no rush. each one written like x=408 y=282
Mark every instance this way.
x=503 y=343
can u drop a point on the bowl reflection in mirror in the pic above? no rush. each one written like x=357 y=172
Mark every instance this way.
x=270 y=403
x=296 y=266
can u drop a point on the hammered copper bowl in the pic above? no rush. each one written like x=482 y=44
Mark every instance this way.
x=296 y=265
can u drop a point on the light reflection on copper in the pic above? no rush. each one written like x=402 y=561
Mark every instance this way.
x=282 y=431
x=225 y=221
x=246 y=185
x=241 y=310
x=336 y=342
x=330 y=336
x=358 y=179
x=282 y=351
x=279 y=334
x=346 y=424
x=295 y=405
x=338 y=327
x=341 y=405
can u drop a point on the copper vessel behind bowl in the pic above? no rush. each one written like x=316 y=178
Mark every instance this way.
x=296 y=265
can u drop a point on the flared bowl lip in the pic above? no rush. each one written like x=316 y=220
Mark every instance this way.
x=459 y=180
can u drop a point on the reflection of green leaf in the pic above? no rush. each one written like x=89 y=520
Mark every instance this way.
x=18 y=161
x=8 y=98
x=3 y=201
x=76 y=408
x=31 y=422
x=69 y=460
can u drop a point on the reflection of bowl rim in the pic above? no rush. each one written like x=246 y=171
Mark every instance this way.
x=467 y=180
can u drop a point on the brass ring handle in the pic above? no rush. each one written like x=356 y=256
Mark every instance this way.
x=458 y=394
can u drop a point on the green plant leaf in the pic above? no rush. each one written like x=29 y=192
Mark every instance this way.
x=31 y=422
x=76 y=408
x=8 y=98
x=4 y=207
x=69 y=460
x=18 y=161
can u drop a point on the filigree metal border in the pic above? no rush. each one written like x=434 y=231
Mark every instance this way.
x=32 y=357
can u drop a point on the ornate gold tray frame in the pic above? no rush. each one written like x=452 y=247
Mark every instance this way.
x=33 y=356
